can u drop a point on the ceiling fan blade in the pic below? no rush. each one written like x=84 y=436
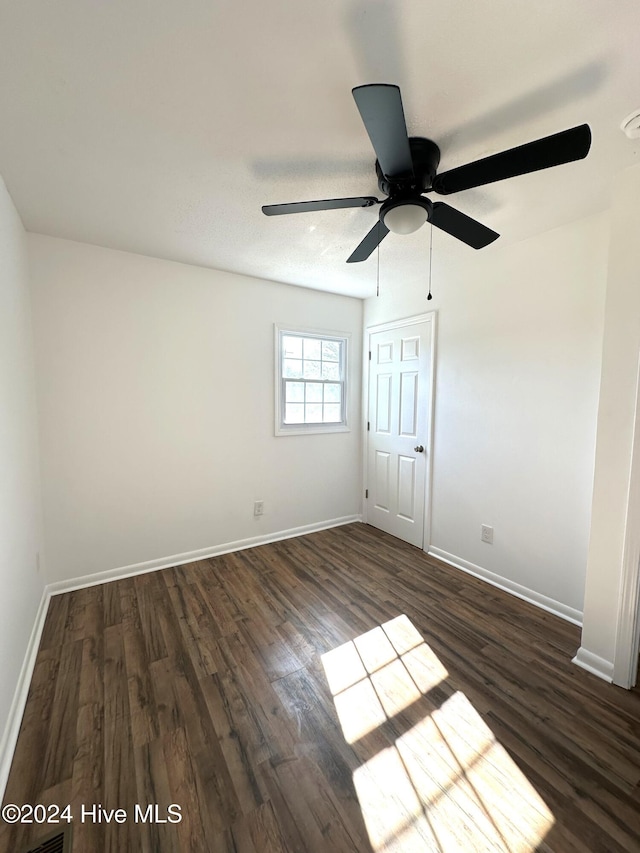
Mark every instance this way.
x=554 y=150
x=380 y=107
x=370 y=242
x=460 y=225
x=325 y=204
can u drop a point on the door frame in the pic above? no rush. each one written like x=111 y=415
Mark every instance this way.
x=625 y=662
x=428 y=317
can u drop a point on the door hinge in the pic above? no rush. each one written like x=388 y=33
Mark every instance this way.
x=366 y=493
x=369 y=355
x=368 y=426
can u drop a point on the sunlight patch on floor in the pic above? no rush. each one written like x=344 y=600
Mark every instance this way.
x=380 y=674
x=433 y=777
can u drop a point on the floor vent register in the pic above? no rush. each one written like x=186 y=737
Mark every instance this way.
x=58 y=842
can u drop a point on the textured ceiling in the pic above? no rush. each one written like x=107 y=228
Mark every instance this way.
x=162 y=127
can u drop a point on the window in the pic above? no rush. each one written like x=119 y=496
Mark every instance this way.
x=310 y=381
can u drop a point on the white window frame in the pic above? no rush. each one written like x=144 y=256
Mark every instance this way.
x=281 y=428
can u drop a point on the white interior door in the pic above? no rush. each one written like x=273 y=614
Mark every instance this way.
x=399 y=427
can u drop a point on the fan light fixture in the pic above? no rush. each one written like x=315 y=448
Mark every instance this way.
x=405 y=218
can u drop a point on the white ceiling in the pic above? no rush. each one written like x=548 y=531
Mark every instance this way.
x=162 y=126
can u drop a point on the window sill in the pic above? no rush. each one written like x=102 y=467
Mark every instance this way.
x=312 y=429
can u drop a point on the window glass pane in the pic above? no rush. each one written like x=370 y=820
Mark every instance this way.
x=291 y=367
x=332 y=393
x=314 y=392
x=291 y=347
x=332 y=413
x=294 y=413
x=312 y=369
x=294 y=392
x=313 y=413
x=330 y=370
x=330 y=351
x=312 y=349
x=310 y=390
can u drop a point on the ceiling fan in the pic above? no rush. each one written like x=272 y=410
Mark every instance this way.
x=407 y=167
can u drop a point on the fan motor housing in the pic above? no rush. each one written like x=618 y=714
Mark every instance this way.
x=425 y=155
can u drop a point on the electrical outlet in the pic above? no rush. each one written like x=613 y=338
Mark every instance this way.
x=486 y=534
x=258 y=508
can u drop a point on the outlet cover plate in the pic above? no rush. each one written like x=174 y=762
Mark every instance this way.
x=486 y=534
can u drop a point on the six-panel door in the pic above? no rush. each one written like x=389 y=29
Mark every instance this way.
x=399 y=406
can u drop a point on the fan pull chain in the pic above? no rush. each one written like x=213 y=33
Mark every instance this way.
x=378 y=254
x=430 y=257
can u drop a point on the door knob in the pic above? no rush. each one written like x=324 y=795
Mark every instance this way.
x=419 y=448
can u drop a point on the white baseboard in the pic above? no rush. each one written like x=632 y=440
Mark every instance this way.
x=594 y=664
x=565 y=612
x=189 y=556
x=16 y=711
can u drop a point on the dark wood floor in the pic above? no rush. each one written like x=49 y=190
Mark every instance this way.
x=337 y=692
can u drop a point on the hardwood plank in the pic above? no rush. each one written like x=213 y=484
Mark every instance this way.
x=213 y=785
x=111 y=604
x=85 y=614
x=60 y=746
x=149 y=591
x=216 y=579
x=263 y=725
x=88 y=763
x=55 y=622
x=276 y=656
x=153 y=789
x=199 y=630
x=143 y=713
x=190 y=831
x=316 y=811
x=234 y=747
x=119 y=784
x=263 y=830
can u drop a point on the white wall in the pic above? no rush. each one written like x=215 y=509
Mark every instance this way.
x=21 y=584
x=517 y=377
x=156 y=397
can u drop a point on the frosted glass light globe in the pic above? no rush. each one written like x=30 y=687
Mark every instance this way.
x=406 y=218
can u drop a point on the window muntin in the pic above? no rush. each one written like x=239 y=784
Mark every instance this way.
x=311 y=381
